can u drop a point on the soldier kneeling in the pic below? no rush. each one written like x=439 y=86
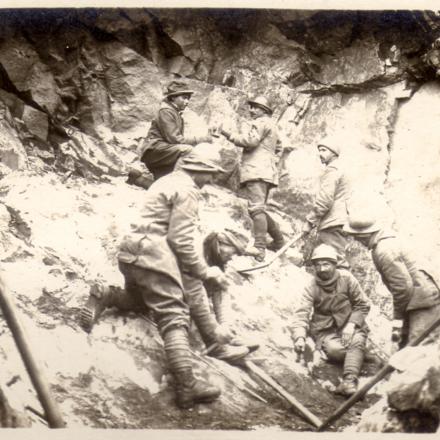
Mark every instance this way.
x=334 y=307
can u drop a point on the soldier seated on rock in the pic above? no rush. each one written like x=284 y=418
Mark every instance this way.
x=416 y=296
x=333 y=308
x=258 y=172
x=166 y=141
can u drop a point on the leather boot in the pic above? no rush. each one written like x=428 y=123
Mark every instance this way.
x=100 y=298
x=232 y=354
x=348 y=386
x=189 y=390
x=275 y=232
x=103 y=297
x=260 y=230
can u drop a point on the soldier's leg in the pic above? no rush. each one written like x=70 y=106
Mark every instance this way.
x=275 y=232
x=255 y=191
x=355 y=354
x=354 y=358
x=104 y=297
x=161 y=159
x=420 y=319
x=165 y=297
x=197 y=300
x=335 y=237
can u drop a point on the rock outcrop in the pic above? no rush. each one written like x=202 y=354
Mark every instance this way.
x=78 y=90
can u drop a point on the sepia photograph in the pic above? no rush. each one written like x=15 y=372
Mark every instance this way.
x=219 y=221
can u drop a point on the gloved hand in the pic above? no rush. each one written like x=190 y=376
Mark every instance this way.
x=347 y=334
x=215 y=274
x=396 y=332
x=223 y=334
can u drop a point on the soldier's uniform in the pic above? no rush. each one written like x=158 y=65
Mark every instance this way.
x=166 y=140
x=416 y=296
x=259 y=173
x=325 y=308
x=329 y=212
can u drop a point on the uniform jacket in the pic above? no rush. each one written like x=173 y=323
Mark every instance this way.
x=167 y=129
x=330 y=308
x=259 y=143
x=330 y=204
x=411 y=287
x=163 y=238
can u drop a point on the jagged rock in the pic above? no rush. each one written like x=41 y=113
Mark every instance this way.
x=28 y=74
x=13 y=155
x=413 y=185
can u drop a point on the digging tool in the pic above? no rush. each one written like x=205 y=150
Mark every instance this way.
x=280 y=252
x=379 y=376
x=311 y=418
x=50 y=406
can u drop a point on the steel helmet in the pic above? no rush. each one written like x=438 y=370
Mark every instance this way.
x=324 y=252
x=262 y=102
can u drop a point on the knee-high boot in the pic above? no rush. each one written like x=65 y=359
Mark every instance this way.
x=275 y=232
x=189 y=390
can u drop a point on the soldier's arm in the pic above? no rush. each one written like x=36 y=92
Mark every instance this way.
x=251 y=137
x=301 y=316
x=181 y=233
x=359 y=302
x=325 y=197
x=398 y=280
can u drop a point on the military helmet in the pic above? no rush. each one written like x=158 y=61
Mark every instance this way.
x=331 y=144
x=324 y=252
x=197 y=161
x=262 y=102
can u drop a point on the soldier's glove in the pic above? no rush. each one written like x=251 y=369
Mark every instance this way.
x=215 y=274
x=299 y=345
x=396 y=332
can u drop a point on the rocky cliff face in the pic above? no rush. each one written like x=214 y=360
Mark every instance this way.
x=78 y=89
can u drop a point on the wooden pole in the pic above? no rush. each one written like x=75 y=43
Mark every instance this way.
x=379 y=376
x=297 y=405
x=50 y=406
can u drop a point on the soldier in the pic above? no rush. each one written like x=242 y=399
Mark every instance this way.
x=329 y=212
x=333 y=306
x=219 y=247
x=416 y=296
x=258 y=173
x=166 y=141
x=163 y=270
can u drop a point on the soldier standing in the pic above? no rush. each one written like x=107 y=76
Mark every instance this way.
x=258 y=172
x=329 y=212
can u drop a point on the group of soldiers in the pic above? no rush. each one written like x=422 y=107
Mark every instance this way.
x=171 y=282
